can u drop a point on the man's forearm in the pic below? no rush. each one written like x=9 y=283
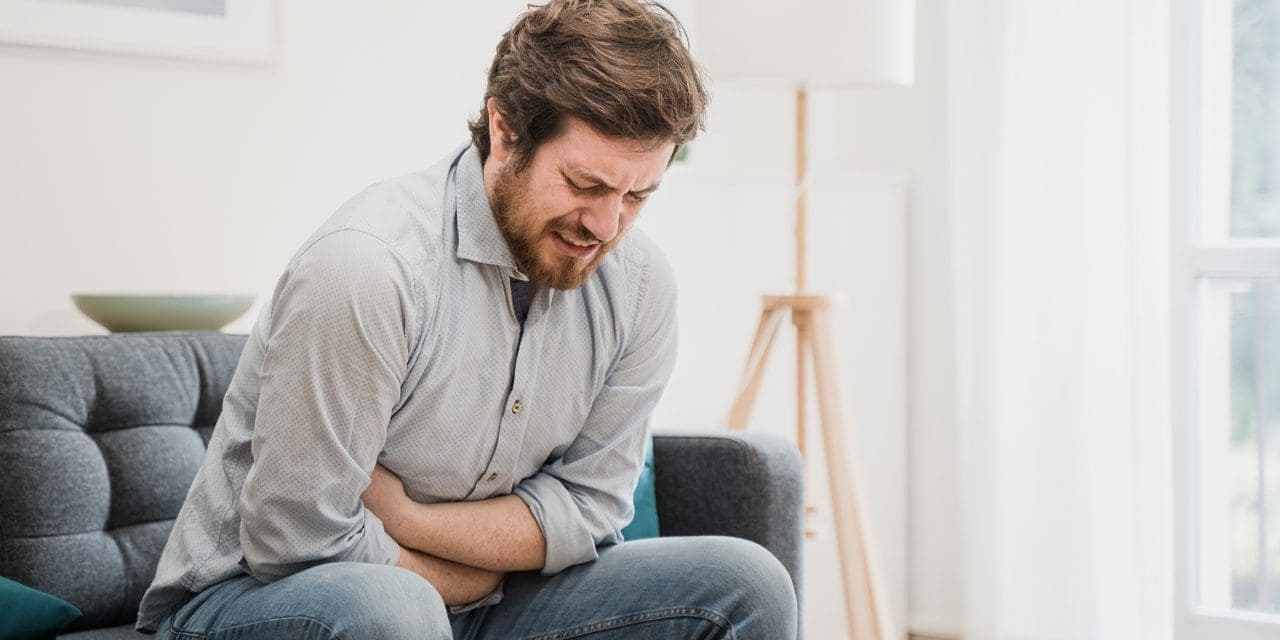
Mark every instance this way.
x=456 y=583
x=497 y=534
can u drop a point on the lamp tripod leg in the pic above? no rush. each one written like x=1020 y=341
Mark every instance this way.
x=866 y=599
x=753 y=371
x=801 y=318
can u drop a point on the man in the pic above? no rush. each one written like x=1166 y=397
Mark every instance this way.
x=439 y=420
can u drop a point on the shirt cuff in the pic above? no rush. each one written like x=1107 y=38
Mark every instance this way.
x=569 y=542
x=493 y=597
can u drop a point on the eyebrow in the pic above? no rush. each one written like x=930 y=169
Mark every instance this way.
x=582 y=174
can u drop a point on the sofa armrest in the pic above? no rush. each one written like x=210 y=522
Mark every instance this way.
x=733 y=483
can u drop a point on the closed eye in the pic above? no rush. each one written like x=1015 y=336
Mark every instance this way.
x=596 y=189
x=581 y=189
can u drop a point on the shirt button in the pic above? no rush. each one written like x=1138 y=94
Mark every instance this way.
x=515 y=408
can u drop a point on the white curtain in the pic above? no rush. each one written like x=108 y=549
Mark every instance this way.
x=1058 y=122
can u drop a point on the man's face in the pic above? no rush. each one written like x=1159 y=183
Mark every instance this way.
x=574 y=201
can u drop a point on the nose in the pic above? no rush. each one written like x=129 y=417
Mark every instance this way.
x=604 y=218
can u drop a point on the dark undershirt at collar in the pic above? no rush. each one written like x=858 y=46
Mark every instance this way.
x=521 y=297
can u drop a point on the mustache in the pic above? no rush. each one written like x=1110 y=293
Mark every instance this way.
x=576 y=233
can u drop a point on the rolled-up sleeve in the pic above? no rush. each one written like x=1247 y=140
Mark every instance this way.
x=584 y=498
x=334 y=362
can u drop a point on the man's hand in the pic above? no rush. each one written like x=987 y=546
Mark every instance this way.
x=456 y=583
x=386 y=498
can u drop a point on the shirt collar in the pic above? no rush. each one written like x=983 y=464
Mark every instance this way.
x=479 y=238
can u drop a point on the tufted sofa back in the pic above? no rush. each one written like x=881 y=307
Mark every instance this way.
x=100 y=438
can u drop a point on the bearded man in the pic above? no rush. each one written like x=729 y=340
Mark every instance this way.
x=439 y=419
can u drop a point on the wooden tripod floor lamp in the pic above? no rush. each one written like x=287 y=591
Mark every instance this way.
x=818 y=43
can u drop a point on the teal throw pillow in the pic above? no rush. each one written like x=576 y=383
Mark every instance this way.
x=26 y=613
x=645 y=522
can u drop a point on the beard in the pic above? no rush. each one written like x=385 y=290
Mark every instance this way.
x=513 y=210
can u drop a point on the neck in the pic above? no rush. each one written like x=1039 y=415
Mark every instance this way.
x=489 y=170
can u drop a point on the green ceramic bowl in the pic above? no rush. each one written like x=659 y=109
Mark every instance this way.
x=162 y=312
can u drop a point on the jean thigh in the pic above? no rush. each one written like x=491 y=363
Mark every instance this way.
x=331 y=600
x=193 y=620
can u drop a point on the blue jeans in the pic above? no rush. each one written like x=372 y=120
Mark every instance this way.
x=701 y=587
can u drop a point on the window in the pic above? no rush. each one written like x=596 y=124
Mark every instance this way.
x=1226 y=294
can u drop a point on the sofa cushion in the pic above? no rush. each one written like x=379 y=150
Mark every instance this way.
x=27 y=613
x=100 y=438
x=645 y=522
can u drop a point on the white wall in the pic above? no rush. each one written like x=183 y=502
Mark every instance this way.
x=126 y=173
x=132 y=173
x=903 y=130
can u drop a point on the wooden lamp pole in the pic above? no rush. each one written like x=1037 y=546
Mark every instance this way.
x=866 y=599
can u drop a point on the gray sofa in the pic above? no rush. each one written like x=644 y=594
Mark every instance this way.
x=100 y=437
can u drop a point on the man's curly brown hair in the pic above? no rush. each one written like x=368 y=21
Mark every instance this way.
x=621 y=66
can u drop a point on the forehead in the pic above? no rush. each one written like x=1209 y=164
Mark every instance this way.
x=579 y=147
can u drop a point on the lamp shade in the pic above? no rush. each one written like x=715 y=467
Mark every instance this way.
x=815 y=42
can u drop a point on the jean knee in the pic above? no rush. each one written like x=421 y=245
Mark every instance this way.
x=376 y=601
x=425 y=614
x=767 y=603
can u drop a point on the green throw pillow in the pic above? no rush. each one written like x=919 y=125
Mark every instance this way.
x=26 y=613
x=645 y=522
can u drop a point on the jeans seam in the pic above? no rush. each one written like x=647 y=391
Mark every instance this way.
x=635 y=618
x=196 y=636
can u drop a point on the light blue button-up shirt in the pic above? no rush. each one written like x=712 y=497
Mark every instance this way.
x=391 y=338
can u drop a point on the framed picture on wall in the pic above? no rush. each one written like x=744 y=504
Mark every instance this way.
x=227 y=30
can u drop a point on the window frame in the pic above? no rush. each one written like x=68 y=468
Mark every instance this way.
x=1197 y=177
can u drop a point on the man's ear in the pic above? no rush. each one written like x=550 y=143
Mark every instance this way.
x=500 y=134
